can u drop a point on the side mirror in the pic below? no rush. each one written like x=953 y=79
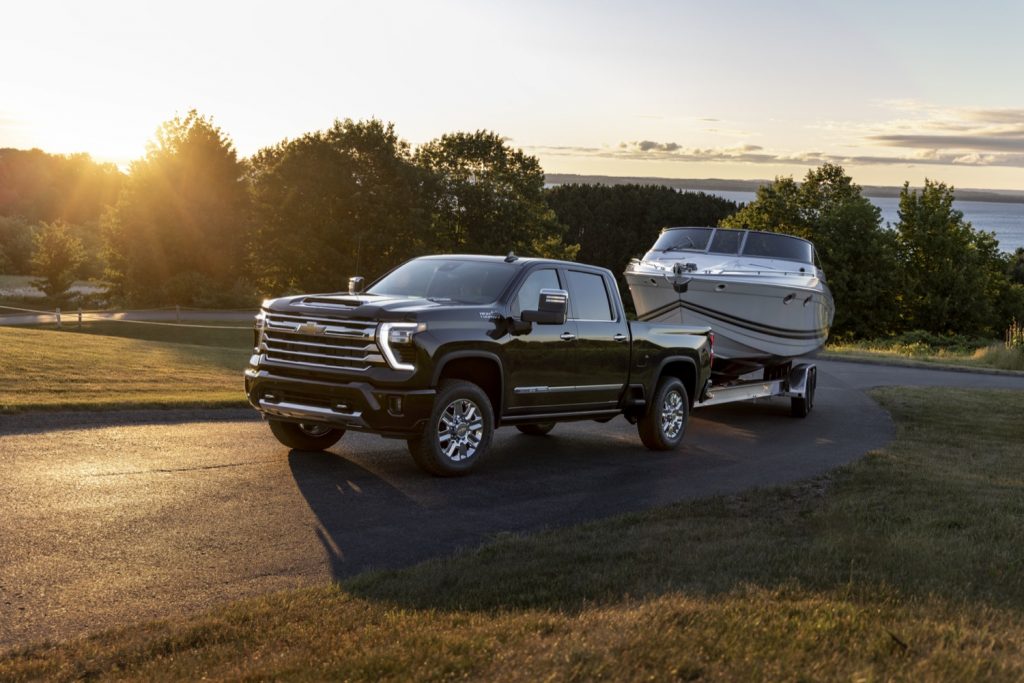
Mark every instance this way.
x=355 y=285
x=552 y=308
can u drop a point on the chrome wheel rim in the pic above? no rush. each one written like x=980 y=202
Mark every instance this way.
x=460 y=430
x=314 y=429
x=673 y=415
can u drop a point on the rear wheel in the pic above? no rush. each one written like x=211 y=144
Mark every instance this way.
x=801 y=406
x=536 y=428
x=662 y=427
x=305 y=436
x=458 y=432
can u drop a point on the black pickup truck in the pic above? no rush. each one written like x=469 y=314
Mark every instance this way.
x=444 y=349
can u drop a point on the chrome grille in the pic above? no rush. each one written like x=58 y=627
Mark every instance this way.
x=314 y=342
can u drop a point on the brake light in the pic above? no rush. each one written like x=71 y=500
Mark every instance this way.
x=711 y=345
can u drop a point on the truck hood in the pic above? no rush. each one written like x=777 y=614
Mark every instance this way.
x=363 y=306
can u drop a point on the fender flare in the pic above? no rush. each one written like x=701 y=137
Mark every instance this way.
x=447 y=358
x=676 y=359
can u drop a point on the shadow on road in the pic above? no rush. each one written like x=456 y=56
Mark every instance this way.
x=375 y=509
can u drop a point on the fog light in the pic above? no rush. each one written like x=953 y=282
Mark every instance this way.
x=395 y=405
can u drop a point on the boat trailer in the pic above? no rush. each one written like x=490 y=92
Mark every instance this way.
x=797 y=382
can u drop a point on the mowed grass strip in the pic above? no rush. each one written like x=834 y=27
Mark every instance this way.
x=904 y=566
x=201 y=333
x=69 y=370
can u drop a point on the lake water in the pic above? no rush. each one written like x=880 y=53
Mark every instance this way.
x=1005 y=219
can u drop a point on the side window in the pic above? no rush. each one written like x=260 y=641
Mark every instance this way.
x=588 y=297
x=529 y=292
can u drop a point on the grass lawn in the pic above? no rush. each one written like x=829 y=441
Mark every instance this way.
x=43 y=369
x=907 y=565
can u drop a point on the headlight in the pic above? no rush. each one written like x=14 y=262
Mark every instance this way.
x=396 y=338
x=257 y=331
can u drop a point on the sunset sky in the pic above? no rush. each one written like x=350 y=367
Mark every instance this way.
x=893 y=91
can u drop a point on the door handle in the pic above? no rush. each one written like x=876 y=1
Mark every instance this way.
x=619 y=337
x=568 y=336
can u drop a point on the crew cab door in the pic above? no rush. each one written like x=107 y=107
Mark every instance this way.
x=602 y=346
x=540 y=364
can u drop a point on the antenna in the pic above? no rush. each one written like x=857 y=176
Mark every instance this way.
x=511 y=257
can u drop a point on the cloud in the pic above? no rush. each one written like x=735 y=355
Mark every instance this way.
x=8 y=120
x=919 y=134
x=978 y=142
x=943 y=135
x=648 y=146
x=646 y=150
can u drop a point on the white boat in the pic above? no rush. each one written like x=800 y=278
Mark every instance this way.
x=763 y=294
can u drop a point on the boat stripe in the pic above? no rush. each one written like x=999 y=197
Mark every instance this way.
x=739 y=322
x=659 y=310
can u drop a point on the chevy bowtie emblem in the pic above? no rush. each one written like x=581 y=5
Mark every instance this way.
x=311 y=328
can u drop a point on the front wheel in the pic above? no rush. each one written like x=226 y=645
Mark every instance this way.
x=458 y=432
x=305 y=436
x=663 y=425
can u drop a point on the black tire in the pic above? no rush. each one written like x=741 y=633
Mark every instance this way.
x=536 y=428
x=801 y=407
x=663 y=425
x=458 y=433
x=307 y=436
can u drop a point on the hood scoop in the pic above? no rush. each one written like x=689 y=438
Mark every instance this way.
x=343 y=301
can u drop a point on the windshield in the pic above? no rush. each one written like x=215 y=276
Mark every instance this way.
x=455 y=280
x=679 y=239
x=771 y=245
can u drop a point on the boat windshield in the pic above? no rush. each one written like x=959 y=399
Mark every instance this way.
x=450 y=280
x=770 y=245
x=683 y=239
x=726 y=242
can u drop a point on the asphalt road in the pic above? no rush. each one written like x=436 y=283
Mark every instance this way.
x=110 y=518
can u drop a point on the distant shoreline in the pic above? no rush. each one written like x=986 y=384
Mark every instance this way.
x=724 y=185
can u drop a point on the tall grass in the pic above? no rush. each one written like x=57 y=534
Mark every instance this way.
x=926 y=347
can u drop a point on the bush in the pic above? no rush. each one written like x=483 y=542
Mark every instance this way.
x=201 y=291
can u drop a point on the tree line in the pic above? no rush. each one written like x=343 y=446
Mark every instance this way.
x=930 y=271
x=192 y=223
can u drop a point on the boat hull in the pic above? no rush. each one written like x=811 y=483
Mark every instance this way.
x=759 y=320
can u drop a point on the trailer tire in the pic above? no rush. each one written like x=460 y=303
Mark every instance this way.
x=662 y=426
x=801 y=406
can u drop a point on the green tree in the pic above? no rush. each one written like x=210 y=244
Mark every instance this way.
x=1015 y=266
x=56 y=258
x=179 y=227
x=335 y=202
x=44 y=187
x=857 y=254
x=16 y=244
x=489 y=198
x=955 y=278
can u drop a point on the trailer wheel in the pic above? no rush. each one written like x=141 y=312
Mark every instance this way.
x=305 y=436
x=536 y=428
x=458 y=432
x=662 y=427
x=801 y=407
